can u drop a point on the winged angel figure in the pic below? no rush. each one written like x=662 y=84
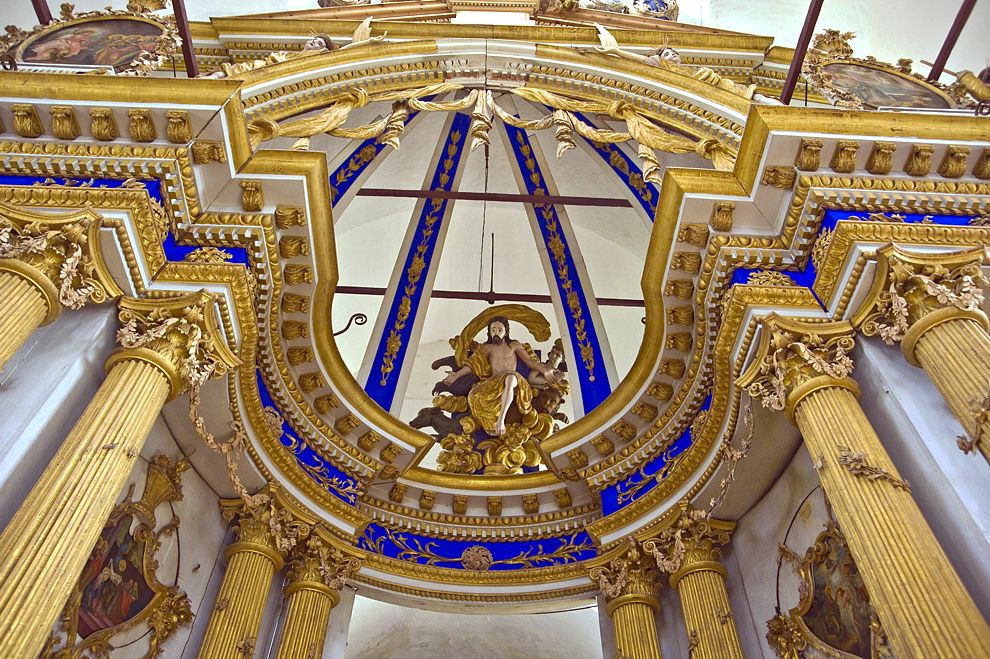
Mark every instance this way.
x=499 y=399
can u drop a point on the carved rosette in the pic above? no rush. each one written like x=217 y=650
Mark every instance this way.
x=180 y=335
x=58 y=253
x=791 y=354
x=633 y=574
x=910 y=286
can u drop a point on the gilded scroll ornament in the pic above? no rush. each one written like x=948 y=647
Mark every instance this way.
x=722 y=215
x=26 y=120
x=908 y=286
x=141 y=125
x=919 y=161
x=177 y=129
x=881 y=159
x=779 y=177
x=953 y=163
x=119 y=587
x=64 y=248
x=981 y=169
x=103 y=125
x=770 y=278
x=809 y=156
x=252 y=196
x=844 y=156
x=208 y=255
x=795 y=354
x=207 y=151
x=65 y=126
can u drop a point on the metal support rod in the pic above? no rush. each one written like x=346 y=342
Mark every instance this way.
x=491 y=296
x=182 y=22
x=793 y=73
x=538 y=200
x=950 y=39
x=42 y=11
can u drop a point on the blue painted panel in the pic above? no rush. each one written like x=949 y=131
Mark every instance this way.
x=394 y=344
x=632 y=488
x=591 y=373
x=508 y=555
x=363 y=155
x=324 y=472
x=628 y=171
x=151 y=184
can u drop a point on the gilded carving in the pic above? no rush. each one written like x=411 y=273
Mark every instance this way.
x=630 y=573
x=809 y=156
x=65 y=126
x=208 y=255
x=295 y=329
x=27 y=123
x=317 y=561
x=346 y=424
x=910 y=285
x=390 y=452
x=644 y=411
x=563 y=498
x=310 y=382
x=63 y=249
x=881 y=159
x=660 y=391
x=603 y=445
x=177 y=127
x=694 y=234
x=494 y=506
x=326 y=403
x=206 y=151
x=369 y=440
x=672 y=367
x=919 y=161
x=290 y=246
x=289 y=216
x=295 y=303
x=722 y=215
x=427 y=499
x=690 y=538
x=857 y=464
x=953 y=163
x=844 y=156
x=578 y=458
x=793 y=352
x=680 y=342
x=531 y=504
x=681 y=288
x=397 y=492
x=981 y=169
x=779 y=177
x=141 y=125
x=295 y=274
x=252 y=196
x=770 y=278
x=686 y=262
x=103 y=125
x=460 y=504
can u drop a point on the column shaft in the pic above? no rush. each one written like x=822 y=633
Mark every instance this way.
x=920 y=600
x=306 y=621
x=44 y=548
x=22 y=310
x=705 y=604
x=241 y=602
x=956 y=356
x=635 y=628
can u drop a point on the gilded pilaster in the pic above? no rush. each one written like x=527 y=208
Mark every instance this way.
x=689 y=549
x=630 y=584
x=264 y=533
x=804 y=368
x=930 y=303
x=46 y=262
x=46 y=544
x=317 y=572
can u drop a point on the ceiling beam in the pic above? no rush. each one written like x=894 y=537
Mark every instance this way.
x=538 y=200
x=491 y=297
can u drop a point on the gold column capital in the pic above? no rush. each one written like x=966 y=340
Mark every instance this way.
x=914 y=291
x=795 y=358
x=317 y=565
x=632 y=576
x=691 y=542
x=179 y=334
x=59 y=254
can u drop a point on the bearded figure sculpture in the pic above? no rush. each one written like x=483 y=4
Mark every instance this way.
x=499 y=400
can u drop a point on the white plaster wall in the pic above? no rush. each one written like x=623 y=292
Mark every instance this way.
x=384 y=631
x=754 y=550
x=44 y=389
x=919 y=432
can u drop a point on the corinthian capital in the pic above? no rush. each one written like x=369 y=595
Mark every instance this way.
x=791 y=353
x=631 y=573
x=316 y=561
x=59 y=253
x=265 y=522
x=691 y=538
x=183 y=332
x=909 y=286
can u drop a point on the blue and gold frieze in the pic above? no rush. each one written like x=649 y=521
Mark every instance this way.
x=477 y=554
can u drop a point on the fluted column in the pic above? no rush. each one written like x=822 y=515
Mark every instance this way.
x=27 y=301
x=630 y=583
x=46 y=545
x=689 y=549
x=920 y=600
x=930 y=303
x=252 y=562
x=316 y=575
